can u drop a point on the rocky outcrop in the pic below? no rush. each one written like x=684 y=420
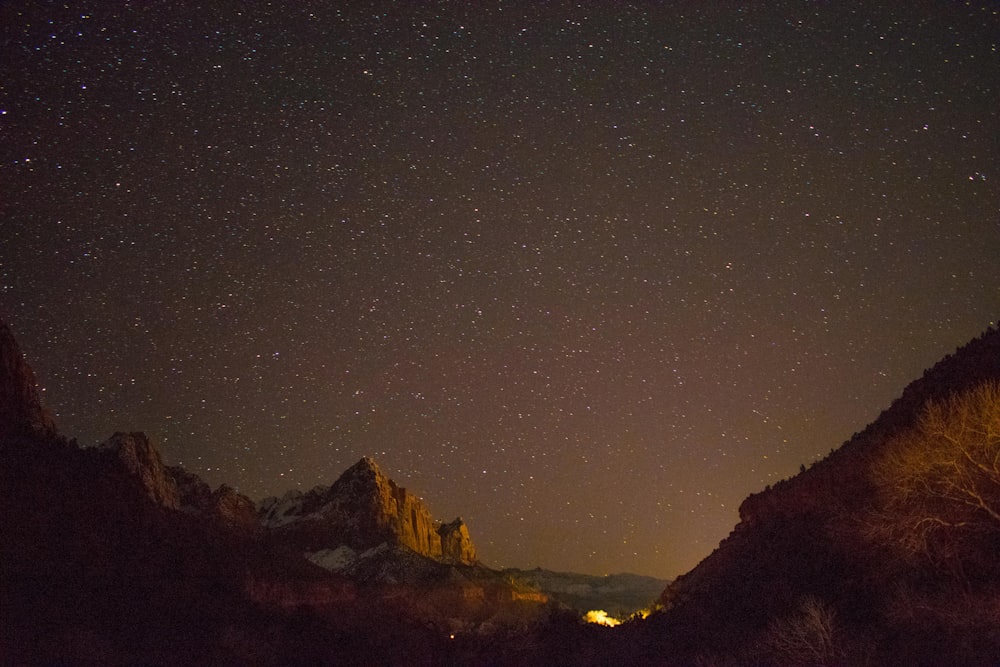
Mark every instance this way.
x=225 y=503
x=362 y=509
x=456 y=544
x=141 y=459
x=21 y=411
x=234 y=508
x=176 y=488
x=365 y=489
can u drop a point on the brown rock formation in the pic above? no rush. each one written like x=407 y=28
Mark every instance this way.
x=176 y=488
x=389 y=510
x=21 y=411
x=394 y=508
x=456 y=544
x=363 y=509
x=141 y=459
x=225 y=503
x=234 y=508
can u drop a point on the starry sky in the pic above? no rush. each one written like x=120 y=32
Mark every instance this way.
x=586 y=274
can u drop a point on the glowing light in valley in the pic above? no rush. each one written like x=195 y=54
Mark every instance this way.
x=601 y=617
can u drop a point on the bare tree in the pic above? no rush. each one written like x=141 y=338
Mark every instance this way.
x=940 y=480
x=808 y=636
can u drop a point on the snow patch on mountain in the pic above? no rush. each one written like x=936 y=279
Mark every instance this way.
x=334 y=559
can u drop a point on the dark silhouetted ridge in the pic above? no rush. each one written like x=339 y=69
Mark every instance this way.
x=802 y=544
x=21 y=410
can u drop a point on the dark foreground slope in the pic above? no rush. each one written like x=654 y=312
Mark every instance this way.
x=820 y=569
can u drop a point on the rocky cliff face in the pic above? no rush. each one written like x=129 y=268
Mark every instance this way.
x=175 y=488
x=365 y=489
x=456 y=544
x=140 y=458
x=363 y=509
x=225 y=503
x=21 y=411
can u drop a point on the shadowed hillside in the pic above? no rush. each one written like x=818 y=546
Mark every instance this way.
x=812 y=574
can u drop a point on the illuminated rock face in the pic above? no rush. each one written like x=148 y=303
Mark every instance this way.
x=456 y=544
x=234 y=508
x=388 y=508
x=141 y=459
x=21 y=411
x=362 y=509
x=225 y=503
x=175 y=488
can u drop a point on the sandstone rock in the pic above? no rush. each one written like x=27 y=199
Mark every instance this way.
x=383 y=510
x=456 y=544
x=141 y=459
x=195 y=494
x=21 y=411
x=362 y=509
x=234 y=508
x=175 y=488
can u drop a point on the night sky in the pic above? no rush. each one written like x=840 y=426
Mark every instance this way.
x=585 y=274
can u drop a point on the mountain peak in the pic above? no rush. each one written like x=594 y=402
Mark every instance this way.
x=366 y=465
x=365 y=508
x=21 y=411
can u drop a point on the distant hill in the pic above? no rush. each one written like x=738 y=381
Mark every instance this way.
x=620 y=595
